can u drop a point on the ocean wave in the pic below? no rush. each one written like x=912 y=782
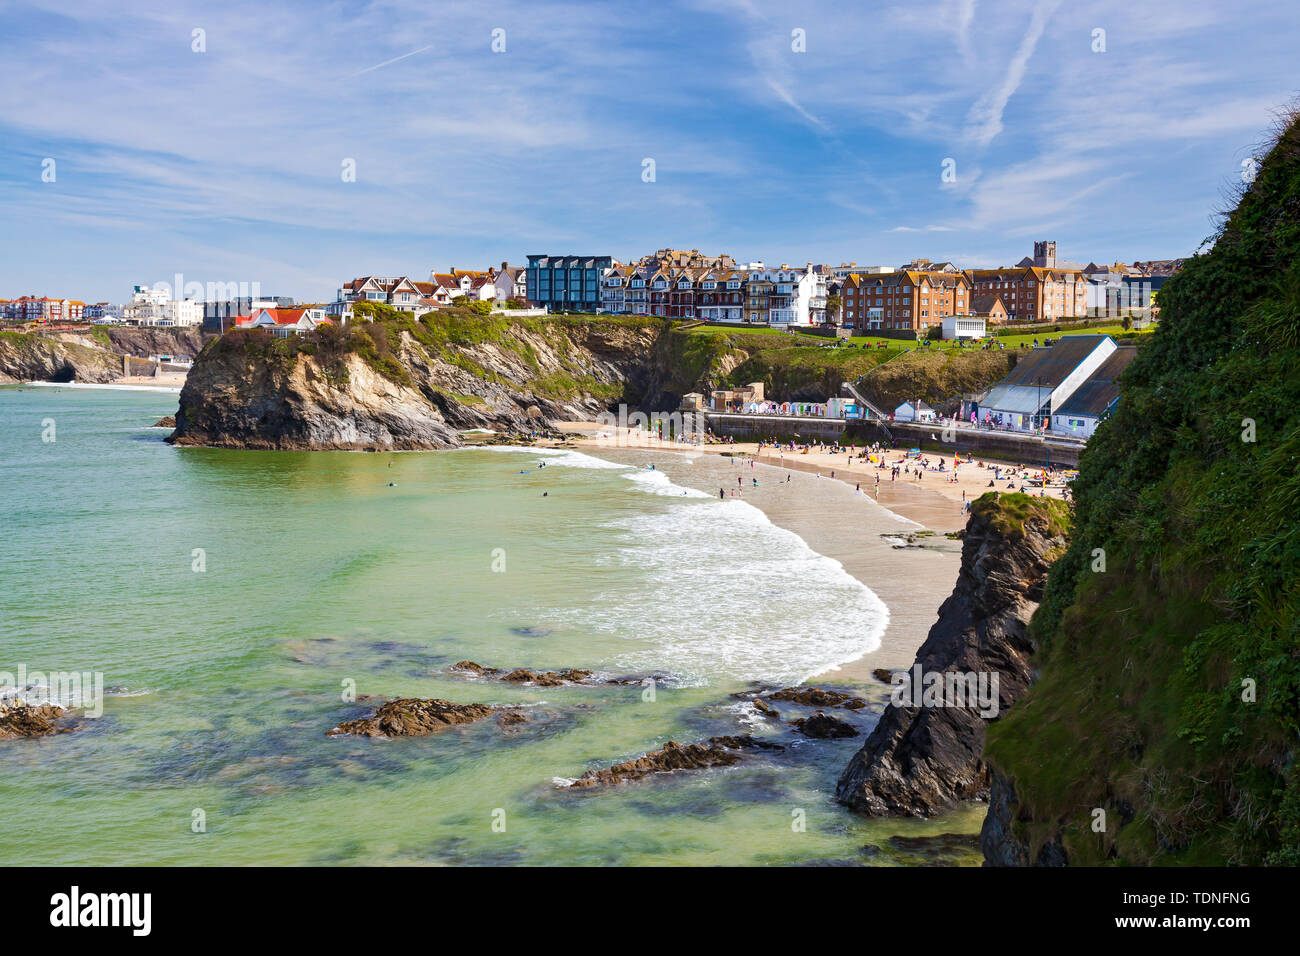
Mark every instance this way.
x=724 y=593
x=562 y=457
x=658 y=483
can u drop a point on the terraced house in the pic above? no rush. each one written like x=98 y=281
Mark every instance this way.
x=399 y=292
x=614 y=288
x=786 y=296
x=720 y=296
x=637 y=299
x=660 y=283
x=681 y=294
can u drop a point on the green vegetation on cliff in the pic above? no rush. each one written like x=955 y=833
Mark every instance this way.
x=450 y=335
x=936 y=377
x=1168 y=638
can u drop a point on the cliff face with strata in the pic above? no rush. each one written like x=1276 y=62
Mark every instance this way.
x=923 y=760
x=63 y=358
x=399 y=383
x=92 y=357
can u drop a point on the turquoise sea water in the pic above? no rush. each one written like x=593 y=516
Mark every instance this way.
x=323 y=571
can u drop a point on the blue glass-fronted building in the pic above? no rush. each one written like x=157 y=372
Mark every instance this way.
x=566 y=283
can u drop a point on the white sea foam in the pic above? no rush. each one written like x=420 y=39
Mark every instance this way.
x=563 y=457
x=658 y=483
x=722 y=592
x=118 y=388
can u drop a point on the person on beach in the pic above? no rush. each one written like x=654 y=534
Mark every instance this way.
x=721 y=494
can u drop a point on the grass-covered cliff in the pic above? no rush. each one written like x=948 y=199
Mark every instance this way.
x=1168 y=643
x=390 y=380
x=805 y=368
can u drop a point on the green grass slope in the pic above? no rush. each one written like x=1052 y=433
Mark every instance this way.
x=1145 y=705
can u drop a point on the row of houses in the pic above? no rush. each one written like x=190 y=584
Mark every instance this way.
x=42 y=309
x=506 y=284
x=687 y=286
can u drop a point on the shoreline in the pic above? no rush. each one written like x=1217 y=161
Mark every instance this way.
x=834 y=520
x=928 y=501
x=135 y=383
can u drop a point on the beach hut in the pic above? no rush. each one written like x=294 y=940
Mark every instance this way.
x=914 y=412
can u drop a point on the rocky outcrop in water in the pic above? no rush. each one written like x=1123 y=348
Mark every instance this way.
x=412 y=717
x=417 y=392
x=522 y=675
x=564 y=677
x=715 y=752
x=824 y=726
x=818 y=697
x=921 y=760
x=26 y=720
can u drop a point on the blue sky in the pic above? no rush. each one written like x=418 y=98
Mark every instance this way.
x=225 y=165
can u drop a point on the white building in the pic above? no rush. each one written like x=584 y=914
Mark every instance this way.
x=793 y=297
x=152 y=306
x=511 y=283
x=1090 y=403
x=613 y=289
x=1043 y=380
x=914 y=412
x=964 y=327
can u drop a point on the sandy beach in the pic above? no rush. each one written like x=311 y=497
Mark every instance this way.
x=832 y=501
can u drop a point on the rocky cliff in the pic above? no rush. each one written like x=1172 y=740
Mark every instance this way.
x=56 y=358
x=921 y=760
x=395 y=382
x=1162 y=726
x=390 y=380
x=94 y=357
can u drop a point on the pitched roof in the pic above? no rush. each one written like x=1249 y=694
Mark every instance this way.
x=984 y=303
x=1096 y=394
x=1049 y=367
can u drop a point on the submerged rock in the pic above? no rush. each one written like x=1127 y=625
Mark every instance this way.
x=818 y=697
x=25 y=720
x=412 y=717
x=561 y=678
x=824 y=726
x=715 y=752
